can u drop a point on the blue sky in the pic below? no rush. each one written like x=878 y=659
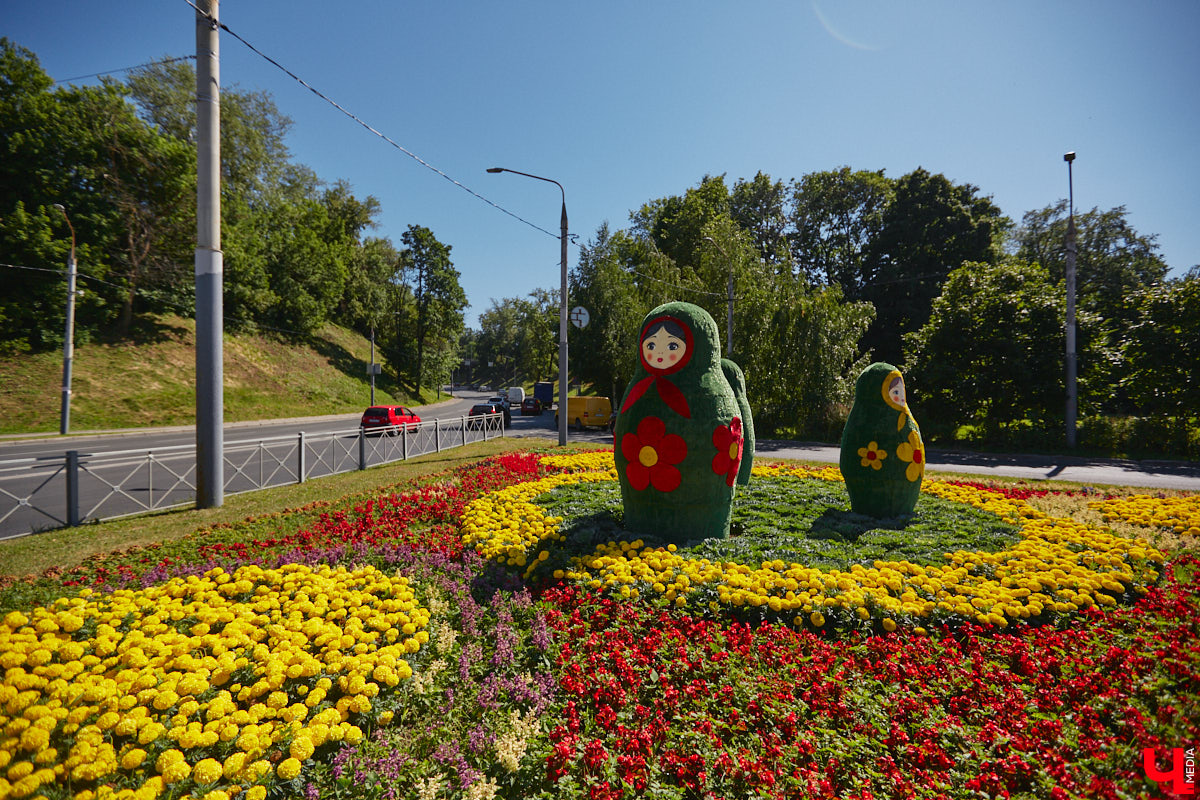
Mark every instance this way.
x=623 y=102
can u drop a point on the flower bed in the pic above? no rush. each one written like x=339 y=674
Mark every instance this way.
x=1055 y=567
x=368 y=653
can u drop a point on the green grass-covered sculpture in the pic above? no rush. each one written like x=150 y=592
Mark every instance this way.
x=882 y=456
x=680 y=433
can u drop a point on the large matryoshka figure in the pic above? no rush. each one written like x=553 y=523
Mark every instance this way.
x=678 y=438
x=882 y=457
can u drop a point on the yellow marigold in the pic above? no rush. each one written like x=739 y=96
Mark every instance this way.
x=132 y=759
x=207 y=771
x=288 y=769
x=301 y=747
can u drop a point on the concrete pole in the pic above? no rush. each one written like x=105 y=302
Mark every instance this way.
x=1072 y=389
x=64 y=418
x=210 y=368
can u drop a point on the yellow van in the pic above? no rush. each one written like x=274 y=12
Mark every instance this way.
x=587 y=412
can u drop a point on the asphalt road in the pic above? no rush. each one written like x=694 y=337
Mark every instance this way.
x=118 y=477
x=270 y=446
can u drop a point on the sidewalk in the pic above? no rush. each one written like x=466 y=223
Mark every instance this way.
x=1182 y=475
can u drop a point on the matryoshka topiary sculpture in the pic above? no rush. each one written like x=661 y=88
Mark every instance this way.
x=679 y=435
x=737 y=381
x=882 y=457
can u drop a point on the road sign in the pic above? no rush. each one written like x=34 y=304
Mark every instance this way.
x=579 y=317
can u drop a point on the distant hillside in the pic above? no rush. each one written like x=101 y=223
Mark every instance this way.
x=152 y=380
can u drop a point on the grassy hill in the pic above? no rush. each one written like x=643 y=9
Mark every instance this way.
x=151 y=380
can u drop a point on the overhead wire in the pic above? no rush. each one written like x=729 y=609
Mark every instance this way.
x=365 y=125
x=127 y=69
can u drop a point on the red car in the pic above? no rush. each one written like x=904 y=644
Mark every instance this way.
x=388 y=419
x=531 y=406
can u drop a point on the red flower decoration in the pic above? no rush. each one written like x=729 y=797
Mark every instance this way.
x=652 y=454
x=728 y=441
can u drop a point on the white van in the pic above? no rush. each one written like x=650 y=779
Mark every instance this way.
x=516 y=396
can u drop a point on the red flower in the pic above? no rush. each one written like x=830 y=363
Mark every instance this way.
x=652 y=454
x=728 y=441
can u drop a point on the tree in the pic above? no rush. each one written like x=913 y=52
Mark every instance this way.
x=675 y=224
x=930 y=228
x=836 y=216
x=438 y=299
x=604 y=282
x=1113 y=261
x=757 y=206
x=1162 y=348
x=518 y=338
x=124 y=184
x=800 y=373
x=991 y=352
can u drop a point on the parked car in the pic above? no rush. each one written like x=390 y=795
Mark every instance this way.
x=479 y=410
x=531 y=407
x=388 y=419
x=498 y=400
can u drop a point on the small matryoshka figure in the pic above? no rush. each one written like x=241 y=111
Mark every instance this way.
x=882 y=456
x=678 y=438
x=737 y=380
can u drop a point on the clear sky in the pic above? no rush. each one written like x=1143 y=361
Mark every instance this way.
x=624 y=102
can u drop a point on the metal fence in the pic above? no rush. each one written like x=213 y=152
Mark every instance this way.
x=38 y=494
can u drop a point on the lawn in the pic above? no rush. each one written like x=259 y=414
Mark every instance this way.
x=486 y=628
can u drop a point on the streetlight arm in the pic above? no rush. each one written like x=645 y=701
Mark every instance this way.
x=535 y=177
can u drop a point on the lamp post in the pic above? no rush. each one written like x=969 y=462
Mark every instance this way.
x=562 y=307
x=1072 y=393
x=64 y=424
x=729 y=319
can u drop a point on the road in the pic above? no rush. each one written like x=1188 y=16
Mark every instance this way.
x=124 y=472
x=33 y=490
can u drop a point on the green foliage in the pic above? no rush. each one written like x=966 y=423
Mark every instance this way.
x=835 y=217
x=1162 y=349
x=930 y=228
x=1112 y=263
x=1008 y=364
x=518 y=340
x=438 y=299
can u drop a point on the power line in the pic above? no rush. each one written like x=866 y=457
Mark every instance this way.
x=358 y=120
x=126 y=69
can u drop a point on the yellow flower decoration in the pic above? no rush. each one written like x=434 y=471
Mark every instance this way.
x=872 y=456
x=912 y=451
x=1058 y=566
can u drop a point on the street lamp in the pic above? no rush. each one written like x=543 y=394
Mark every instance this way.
x=1072 y=392
x=64 y=424
x=562 y=308
x=729 y=320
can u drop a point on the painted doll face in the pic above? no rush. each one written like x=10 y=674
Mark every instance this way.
x=663 y=350
x=895 y=391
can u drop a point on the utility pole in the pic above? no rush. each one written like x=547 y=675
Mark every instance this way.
x=64 y=419
x=1072 y=389
x=210 y=368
